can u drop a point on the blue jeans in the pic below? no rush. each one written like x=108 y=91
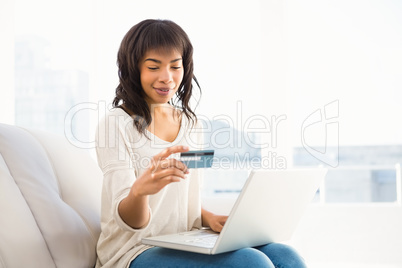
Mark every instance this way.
x=271 y=255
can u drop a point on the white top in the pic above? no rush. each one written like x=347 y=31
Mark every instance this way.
x=123 y=154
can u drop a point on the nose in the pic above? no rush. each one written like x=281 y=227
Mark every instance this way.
x=166 y=76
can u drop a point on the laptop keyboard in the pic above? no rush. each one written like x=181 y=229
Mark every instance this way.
x=208 y=241
x=206 y=238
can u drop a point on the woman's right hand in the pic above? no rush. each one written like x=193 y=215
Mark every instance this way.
x=163 y=171
x=134 y=208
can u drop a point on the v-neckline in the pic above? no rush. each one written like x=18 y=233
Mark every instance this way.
x=178 y=134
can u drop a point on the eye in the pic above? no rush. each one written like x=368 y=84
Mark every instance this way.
x=176 y=67
x=153 y=68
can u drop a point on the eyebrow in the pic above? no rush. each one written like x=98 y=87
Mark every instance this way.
x=158 y=61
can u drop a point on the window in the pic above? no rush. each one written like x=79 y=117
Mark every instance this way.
x=52 y=63
x=345 y=75
x=285 y=83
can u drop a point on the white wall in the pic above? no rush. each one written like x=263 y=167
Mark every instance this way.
x=349 y=51
x=354 y=235
x=7 y=61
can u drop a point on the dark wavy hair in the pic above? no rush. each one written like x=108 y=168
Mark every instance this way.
x=142 y=37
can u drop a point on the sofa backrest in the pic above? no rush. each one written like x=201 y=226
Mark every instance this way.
x=49 y=201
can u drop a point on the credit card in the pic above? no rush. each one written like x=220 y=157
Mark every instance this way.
x=198 y=159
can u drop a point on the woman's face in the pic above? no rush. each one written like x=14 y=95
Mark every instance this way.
x=161 y=74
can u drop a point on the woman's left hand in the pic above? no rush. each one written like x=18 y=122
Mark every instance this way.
x=215 y=222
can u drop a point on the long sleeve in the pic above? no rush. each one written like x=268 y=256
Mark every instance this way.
x=123 y=155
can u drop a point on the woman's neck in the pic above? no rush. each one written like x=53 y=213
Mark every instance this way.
x=163 y=111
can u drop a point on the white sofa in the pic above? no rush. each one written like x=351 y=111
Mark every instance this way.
x=49 y=201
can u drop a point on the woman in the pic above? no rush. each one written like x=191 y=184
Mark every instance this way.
x=146 y=190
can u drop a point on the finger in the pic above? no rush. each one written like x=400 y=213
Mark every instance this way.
x=166 y=153
x=223 y=220
x=169 y=179
x=171 y=162
x=161 y=183
x=218 y=228
x=171 y=150
x=164 y=173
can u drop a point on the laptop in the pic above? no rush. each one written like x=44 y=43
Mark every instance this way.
x=268 y=209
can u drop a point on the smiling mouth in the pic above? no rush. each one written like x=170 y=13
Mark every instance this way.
x=162 y=88
x=162 y=91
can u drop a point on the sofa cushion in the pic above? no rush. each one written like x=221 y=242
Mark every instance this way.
x=49 y=201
